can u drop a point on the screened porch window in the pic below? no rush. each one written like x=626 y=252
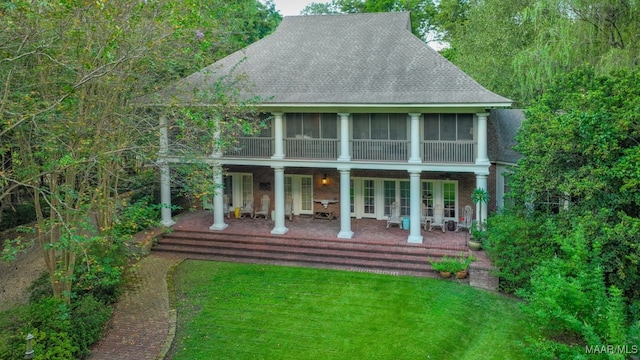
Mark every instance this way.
x=380 y=126
x=317 y=126
x=448 y=127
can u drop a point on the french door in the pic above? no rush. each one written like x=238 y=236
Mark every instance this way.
x=238 y=190
x=300 y=189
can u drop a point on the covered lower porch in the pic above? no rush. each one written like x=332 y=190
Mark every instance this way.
x=308 y=227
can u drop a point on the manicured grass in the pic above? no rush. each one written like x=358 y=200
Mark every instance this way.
x=240 y=311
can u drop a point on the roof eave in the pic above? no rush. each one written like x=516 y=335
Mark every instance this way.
x=343 y=107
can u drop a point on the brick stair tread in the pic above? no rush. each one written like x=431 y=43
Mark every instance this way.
x=285 y=250
x=342 y=244
x=298 y=258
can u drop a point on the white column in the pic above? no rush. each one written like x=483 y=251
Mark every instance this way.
x=279 y=227
x=165 y=177
x=219 y=206
x=481 y=183
x=414 y=225
x=482 y=158
x=165 y=194
x=278 y=129
x=344 y=137
x=415 y=138
x=345 y=205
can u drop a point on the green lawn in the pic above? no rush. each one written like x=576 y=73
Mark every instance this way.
x=240 y=311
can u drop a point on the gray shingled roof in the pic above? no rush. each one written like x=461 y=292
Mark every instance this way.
x=345 y=59
x=501 y=134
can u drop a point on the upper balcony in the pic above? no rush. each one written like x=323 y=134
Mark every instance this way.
x=442 y=138
x=453 y=152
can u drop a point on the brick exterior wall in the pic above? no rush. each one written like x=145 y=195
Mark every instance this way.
x=263 y=183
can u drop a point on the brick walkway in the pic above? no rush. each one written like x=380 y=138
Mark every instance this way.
x=142 y=319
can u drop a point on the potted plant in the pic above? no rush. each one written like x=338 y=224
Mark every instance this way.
x=477 y=237
x=479 y=196
x=462 y=266
x=445 y=266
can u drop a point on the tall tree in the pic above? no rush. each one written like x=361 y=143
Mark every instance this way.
x=516 y=48
x=422 y=11
x=581 y=147
x=69 y=71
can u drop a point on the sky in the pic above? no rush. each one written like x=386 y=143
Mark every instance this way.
x=293 y=7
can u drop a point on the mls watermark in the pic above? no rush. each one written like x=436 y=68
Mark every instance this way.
x=612 y=349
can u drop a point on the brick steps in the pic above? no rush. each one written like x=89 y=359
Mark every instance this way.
x=404 y=259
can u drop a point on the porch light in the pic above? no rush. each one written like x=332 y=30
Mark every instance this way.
x=29 y=353
x=324 y=180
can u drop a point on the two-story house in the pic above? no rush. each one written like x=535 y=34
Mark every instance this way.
x=363 y=115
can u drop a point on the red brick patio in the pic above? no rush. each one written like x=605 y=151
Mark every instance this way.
x=368 y=230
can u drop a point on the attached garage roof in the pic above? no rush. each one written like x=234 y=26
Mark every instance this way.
x=345 y=59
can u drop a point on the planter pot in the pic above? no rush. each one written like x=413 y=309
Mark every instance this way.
x=461 y=274
x=474 y=245
x=445 y=274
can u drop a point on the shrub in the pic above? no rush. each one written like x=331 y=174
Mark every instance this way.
x=100 y=272
x=516 y=245
x=570 y=302
x=138 y=216
x=88 y=319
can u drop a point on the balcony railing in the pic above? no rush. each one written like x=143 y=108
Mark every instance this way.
x=308 y=148
x=253 y=147
x=456 y=152
x=449 y=151
x=380 y=150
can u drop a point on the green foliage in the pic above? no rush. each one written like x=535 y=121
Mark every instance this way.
x=567 y=296
x=138 y=216
x=516 y=245
x=517 y=48
x=422 y=11
x=18 y=215
x=452 y=264
x=88 y=319
x=68 y=123
x=100 y=273
x=579 y=136
x=59 y=332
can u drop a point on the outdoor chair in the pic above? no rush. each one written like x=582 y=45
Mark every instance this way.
x=288 y=207
x=225 y=207
x=467 y=219
x=265 y=205
x=247 y=209
x=438 y=219
x=424 y=218
x=394 y=216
